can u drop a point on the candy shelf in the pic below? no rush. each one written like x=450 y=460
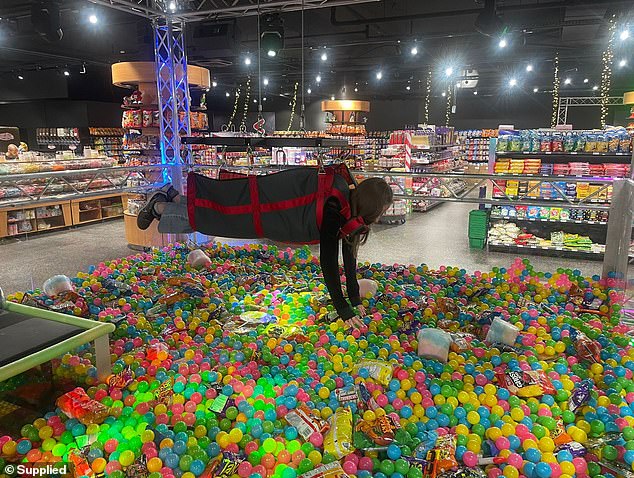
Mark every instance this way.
x=592 y=158
x=545 y=251
x=557 y=221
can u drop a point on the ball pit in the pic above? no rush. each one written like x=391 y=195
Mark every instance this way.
x=197 y=388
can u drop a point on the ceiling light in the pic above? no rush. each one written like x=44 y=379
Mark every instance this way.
x=332 y=98
x=93 y=19
x=66 y=73
x=622 y=63
x=449 y=71
x=443 y=94
x=247 y=61
x=309 y=91
x=318 y=79
x=264 y=99
x=227 y=94
x=272 y=53
x=475 y=93
x=585 y=80
x=502 y=43
x=173 y=6
x=529 y=67
x=567 y=81
x=356 y=89
x=513 y=82
x=414 y=51
x=408 y=87
x=265 y=81
x=122 y=52
x=324 y=56
x=255 y=100
x=20 y=77
x=214 y=83
x=379 y=75
x=535 y=90
x=595 y=88
x=625 y=34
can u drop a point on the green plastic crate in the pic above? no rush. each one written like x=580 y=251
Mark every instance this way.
x=475 y=243
x=478 y=224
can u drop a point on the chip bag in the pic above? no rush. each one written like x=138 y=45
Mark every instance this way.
x=306 y=422
x=224 y=466
x=378 y=370
x=588 y=349
x=380 y=431
x=443 y=455
x=331 y=470
x=338 y=439
x=530 y=383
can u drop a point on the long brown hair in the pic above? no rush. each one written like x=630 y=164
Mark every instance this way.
x=368 y=200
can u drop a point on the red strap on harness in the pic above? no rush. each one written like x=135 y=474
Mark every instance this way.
x=325 y=182
x=255 y=203
x=353 y=224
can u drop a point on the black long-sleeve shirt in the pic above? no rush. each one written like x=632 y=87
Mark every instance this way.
x=329 y=259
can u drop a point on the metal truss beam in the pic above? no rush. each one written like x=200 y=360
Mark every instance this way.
x=566 y=102
x=196 y=10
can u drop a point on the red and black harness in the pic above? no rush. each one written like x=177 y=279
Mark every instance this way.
x=285 y=206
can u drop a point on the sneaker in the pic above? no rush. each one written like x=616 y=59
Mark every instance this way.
x=147 y=214
x=169 y=191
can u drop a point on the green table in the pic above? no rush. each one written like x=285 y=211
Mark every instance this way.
x=30 y=336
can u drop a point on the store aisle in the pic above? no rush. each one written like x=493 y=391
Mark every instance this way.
x=438 y=237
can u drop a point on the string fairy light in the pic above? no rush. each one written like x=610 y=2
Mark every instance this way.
x=293 y=106
x=427 y=96
x=235 y=107
x=448 y=108
x=556 y=86
x=606 y=72
x=243 y=123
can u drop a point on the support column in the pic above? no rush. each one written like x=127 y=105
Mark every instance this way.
x=173 y=96
x=619 y=234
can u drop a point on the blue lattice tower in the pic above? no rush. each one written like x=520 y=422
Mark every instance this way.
x=173 y=95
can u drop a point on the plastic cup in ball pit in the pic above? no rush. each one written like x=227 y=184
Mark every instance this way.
x=434 y=344
x=502 y=332
x=55 y=285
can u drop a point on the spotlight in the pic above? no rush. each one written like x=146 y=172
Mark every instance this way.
x=513 y=82
x=324 y=56
x=172 y=6
x=227 y=94
x=332 y=98
x=622 y=63
x=443 y=94
x=93 y=19
x=255 y=100
x=214 y=83
x=379 y=75
x=567 y=81
x=265 y=81
x=264 y=99
x=318 y=79
x=356 y=90
x=475 y=93
x=414 y=51
x=503 y=43
x=272 y=36
x=408 y=87
x=625 y=34
x=595 y=88
x=20 y=77
x=529 y=67
x=448 y=71
x=247 y=61
x=585 y=80
x=309 y=91
x=66 y=73
x=535 y=90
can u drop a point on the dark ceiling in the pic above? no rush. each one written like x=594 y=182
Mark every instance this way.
x=359 y=39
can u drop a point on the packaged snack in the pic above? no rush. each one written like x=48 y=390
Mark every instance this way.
x=557 y=143
x=559 y=434
x=338 y=439
x=502 y=331
x=564 y=215
x=79 y=464
x=525 y=384
x=445 y=453
x=77 y=404
x=306 y=421
x=347 y=395
x=377 y=369
x=381 y=430
x=138 y=469
x=545 y=142
x=570 y=142
x=515 y=143
x=164 y=392
x=587 y=349
x=602 y=143
x=331 y=470
x=121 y=380
x=434 y=344
x=613 y=142
x=224 y=466
x=56 y=285
x=366 y=401
x=575 y=448
x=533 y=212
x=579 y=396
x=219 y=404
x=591 y=143
x=555 y=213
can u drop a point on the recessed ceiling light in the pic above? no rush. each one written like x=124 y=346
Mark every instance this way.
x=567 y=81
x=443 y=94
x=585 y=80
x=318 y=79
x=535 y=90
x=529 y=67
x=414 y=51
x=172 y=6
x=214 y=83
x=332 y=98
x=93 y=19
x=502 y=43
x=475 y=92
x=625 y=34
x=408 y=87
x=264 y=99
x=247 y=61
x=449 y=71
x=622 y=63
x=271 y=53
x=379 y=75
x=20 y=77
x=309 y=91
x=265 y=81
x=66 y=73
x=324 y=56
x=356 y=89
x=595 y=88
x=513 y=82
x=227 y=94
x=122 y=52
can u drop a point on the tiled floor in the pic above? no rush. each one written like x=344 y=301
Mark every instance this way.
x=438 y=237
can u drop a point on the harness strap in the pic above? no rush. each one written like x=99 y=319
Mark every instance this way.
x=255 y=203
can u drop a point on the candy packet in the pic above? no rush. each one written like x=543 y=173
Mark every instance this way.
x=579 y=396
x=347 y=395
x=380 y=431
x=120 y=380
x=366 y=400
x=559 y=435
x=444 y=454
x=575 y=448
x=306 y=421
x=587 y=349
x=331 y=470
x=163 y=394
x=77 y=404
x=224 y=466
x=529 y=383
x=378 y=370
x=338 y=439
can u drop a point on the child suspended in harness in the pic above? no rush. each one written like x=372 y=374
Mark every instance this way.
x=298 y=205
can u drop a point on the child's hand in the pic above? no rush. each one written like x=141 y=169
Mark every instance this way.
x=354 y=323
x=362 y=311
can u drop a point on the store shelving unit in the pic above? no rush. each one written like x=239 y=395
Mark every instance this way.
x=346 y=117
x=98 y=208
x=108 y=141
x=522 y=171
